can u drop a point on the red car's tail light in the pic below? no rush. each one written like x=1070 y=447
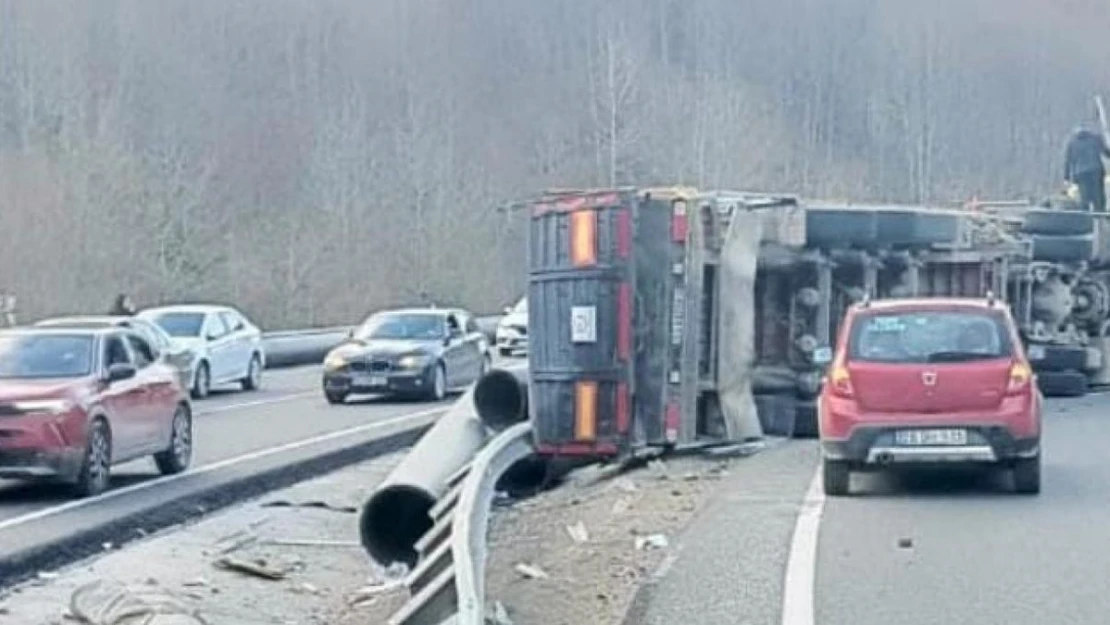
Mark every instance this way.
x=1021 y=379
x=840 y=382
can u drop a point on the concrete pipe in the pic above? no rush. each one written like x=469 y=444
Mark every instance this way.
x=501 y=398
x=396 y=515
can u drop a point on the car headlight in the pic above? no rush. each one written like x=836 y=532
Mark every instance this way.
x=412 y=361
x=49 y=406
x=334 y=361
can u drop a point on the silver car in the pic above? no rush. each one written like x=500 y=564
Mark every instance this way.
x=227 y=346
x=177 y=356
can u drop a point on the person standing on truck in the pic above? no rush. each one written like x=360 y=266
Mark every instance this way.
x=1083 y=167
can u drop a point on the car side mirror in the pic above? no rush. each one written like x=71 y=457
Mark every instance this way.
x=120 y=371
x=822 y=356
x=507 y=309
x=351 y=333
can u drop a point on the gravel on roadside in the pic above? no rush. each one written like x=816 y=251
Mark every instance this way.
x=573 y=555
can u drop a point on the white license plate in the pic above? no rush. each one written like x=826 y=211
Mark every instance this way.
x=931 y=437
x=372 y=380
x=1036 y=352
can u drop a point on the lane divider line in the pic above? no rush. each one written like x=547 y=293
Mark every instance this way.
x=216 y=466
x=801 y=567
x=250 y=404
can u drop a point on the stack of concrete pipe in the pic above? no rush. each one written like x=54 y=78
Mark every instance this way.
x=396 y=514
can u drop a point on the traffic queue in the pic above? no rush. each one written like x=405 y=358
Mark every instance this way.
x=80 y=394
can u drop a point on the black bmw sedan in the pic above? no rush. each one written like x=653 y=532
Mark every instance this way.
x=424 y=352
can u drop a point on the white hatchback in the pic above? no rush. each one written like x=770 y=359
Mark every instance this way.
x=227 y=346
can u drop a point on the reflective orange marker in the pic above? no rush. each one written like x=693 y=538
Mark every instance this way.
x=585 y=410
x=583 y=238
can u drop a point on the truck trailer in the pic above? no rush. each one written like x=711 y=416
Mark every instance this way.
x=672 y=317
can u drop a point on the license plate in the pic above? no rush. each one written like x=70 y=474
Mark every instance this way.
x=1036 y=352
x=378 y=380
x=931 y=437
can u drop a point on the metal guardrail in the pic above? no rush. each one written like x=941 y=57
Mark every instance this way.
x=448 y=584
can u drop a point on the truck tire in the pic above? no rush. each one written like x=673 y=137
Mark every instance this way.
x=776 y=414
x=1058 y=222
x=895 y=227
x=805 y=420
x=1063 y=249
x=1059 y=358
x=1062 y=383
x=931 y=227
x=840 y=227
x=774 y=380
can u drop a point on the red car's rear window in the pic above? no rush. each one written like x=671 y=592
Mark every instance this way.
x=929 y=336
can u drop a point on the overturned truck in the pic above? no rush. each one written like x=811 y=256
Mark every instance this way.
x=669 y=317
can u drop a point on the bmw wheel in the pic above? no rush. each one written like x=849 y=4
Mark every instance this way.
x=439 y=383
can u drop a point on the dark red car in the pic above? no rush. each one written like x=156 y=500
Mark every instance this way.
x=75 y=402
x=929 y=382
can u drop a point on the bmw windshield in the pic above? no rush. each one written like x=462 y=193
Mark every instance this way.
x=402 y=326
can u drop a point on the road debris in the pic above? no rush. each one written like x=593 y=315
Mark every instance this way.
x=373 y=591
x=306 y=542
x=530 y=571
x=652 y=541
x=320 y=505
x=620 y=506
x=257 y=568
x=578 y=532
x=111 y=603
x=497 y=614
x=626 y=485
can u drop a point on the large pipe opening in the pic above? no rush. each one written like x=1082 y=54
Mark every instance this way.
x=501 y=399
x=392 y=521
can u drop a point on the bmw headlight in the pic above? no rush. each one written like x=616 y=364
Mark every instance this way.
x=335 y=361
x=48 y=406
x=412 y=361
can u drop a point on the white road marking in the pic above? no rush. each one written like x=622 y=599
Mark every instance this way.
x=251 y=404
x=801 y=568
x=216 y=466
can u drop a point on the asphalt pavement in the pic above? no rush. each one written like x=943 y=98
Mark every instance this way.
x=955 y=547
x=232 y=424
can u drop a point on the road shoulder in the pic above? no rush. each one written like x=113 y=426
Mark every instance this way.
x=731 y=559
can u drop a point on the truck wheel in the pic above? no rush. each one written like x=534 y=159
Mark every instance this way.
x=1059 y=358
x=935 y=227
x=1063 y=249
x=1062 y=383
x=840 y=227
x=773 y=380
x=1058 y=222
x=837 y=477
x=805 y=420
x=776 y=414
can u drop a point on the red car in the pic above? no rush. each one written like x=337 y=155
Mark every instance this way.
x=929 y=382
x=74 y=402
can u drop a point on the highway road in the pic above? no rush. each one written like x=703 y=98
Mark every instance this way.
x=233 y=424
x=956 y=547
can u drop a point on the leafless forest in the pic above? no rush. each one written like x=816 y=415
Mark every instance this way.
x=312 y=160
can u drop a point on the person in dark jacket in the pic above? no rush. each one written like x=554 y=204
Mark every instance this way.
x=1083 y=167
x=123 y=305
